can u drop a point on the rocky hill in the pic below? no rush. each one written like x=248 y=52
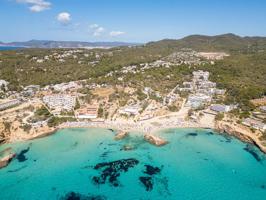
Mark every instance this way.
x=225 y=42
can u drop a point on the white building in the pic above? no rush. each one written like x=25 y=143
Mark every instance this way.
x=147 y=90
x=201 y=75
x=170 y=99
x=30 y=90
x=221 y=108
x=66 y=86
x=4 y=84
x=263 y=108
x=187 y=87
x=254 y=124
x=130 y=110
x=220 y=91
x=205 y=84
x=89 y=112
x=60 y=102
x=198 y=100
x=9 y=104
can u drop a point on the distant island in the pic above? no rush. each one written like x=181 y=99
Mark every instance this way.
x=65 y=44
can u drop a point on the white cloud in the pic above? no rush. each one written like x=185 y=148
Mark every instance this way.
x=94 y=26
x=64 y=18
x=116 y=33
x=36 y=5
x=96 y=30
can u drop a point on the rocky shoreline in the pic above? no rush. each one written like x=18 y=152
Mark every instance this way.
x=229 y=130
x=7 y=157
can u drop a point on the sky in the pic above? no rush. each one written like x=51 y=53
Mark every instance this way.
x=128 y=20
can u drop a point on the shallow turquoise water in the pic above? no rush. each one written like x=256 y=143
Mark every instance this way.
x=196 y=164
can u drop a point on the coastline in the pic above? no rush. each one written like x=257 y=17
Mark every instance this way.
x=241 y=134
x=152 y=129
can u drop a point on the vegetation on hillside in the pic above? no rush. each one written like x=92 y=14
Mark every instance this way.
x=243 y=73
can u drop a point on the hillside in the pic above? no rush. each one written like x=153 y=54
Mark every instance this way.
x=226 y=42
x=243 y=73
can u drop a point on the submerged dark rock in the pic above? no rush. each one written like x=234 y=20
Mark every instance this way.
x=191 y=134
x=209 y=133
x=227 y=138
x=74 y=145
x=163 y=186
x=21 y=155
x=16 y=170
x=147 y=182
x=150 y=170
x=78 y=196
x=111 y=171
x=250 y=149
x=105 y=154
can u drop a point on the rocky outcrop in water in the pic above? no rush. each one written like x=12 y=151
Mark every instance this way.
x=155 y=140
x=120 y=135
x=5 y=157
x=225 y=128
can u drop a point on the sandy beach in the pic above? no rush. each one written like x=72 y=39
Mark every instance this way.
x=151 y=126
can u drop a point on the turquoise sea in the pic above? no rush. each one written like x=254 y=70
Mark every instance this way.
x=89 y=164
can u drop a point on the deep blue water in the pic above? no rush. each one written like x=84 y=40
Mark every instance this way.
x=9 y=48
x=90 y=164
